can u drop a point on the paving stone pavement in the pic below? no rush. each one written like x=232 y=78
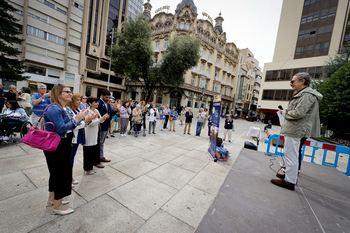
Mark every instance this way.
x=159 y=183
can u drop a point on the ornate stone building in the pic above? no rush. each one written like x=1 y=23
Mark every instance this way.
x=215 y=71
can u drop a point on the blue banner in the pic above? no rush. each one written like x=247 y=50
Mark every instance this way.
x=214 y=126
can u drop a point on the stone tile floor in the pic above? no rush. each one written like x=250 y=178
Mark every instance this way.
x=158 y=183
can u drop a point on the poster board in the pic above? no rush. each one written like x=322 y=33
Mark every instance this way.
x=214 y=127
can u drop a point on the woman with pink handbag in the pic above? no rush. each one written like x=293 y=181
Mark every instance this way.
x=58 y=161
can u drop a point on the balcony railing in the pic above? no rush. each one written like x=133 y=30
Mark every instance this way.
x=156 y=50
x=210 y=61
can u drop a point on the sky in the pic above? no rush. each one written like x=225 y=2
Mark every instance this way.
x=249 y=24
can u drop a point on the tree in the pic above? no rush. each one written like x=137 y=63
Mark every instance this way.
x=335 y=105
x=10 y=67
x=132 y=56
x=339 y=60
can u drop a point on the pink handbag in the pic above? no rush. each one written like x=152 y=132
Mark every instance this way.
x=41 y=139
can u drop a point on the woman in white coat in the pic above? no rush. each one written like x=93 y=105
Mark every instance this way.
x=91 y=149
x=153 y=112
x=79 y=131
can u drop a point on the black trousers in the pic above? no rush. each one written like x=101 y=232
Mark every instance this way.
x=60 y=168
x=90 y=156
x=302 y=141
x=166 y=121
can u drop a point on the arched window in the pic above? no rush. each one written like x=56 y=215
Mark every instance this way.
x=143 y=96
x=159 y=99
x=187 y=26
x=182 y=24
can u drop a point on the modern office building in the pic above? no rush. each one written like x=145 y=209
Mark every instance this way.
x=52 y=32
x=215 y=72
x=67 y=42
x=101 y=17
x=309 y=32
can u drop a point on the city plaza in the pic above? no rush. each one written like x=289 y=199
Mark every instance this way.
x=159 y=183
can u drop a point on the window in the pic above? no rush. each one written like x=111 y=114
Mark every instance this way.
x=189 y=103
x=204 y=53
x=37 y=17
x=143 y=96
x=88 y=91
x=187 y=27
x=182 y=25
x=46 y=36
x=69 y=77
x=216 y=76
x=196 y=104
x=157 y=46
x=166 y=43
x=193 y=79
x=53 y=73
x=36 y=70
x=319 y=72
x=159 y=99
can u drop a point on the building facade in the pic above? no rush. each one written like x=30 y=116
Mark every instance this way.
x=52 y=32
x=309 y=32
x=248 y=84
x=103 y=17
x=215 y=72
x=67 y=42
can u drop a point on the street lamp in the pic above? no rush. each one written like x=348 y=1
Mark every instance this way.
x=200 y=103
x=110 y=61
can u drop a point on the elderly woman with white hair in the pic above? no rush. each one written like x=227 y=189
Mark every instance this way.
x=137 y=117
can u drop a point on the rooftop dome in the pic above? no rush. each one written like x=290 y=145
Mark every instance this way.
x=183 y=3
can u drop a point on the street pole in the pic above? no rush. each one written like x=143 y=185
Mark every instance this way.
x=110 y=61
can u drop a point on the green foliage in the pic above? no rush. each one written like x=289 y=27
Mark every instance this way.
x=181 y=55
x=335 y=105
x=132 y=56
x=10 y=67
x=339 y=60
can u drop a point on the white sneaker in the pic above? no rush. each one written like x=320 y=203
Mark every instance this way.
x=5 y=138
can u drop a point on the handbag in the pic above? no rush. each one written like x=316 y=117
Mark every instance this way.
x=171 y=118
x=42 y=139
x=233 y=128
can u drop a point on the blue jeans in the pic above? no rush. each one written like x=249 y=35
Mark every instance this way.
x=199 y=128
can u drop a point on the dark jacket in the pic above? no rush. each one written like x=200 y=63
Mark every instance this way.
x=102 y=109
x=10 y=96
x=189 y=117
x=228 y=124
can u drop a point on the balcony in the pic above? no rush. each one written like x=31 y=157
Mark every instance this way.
x=156 y=49
x=210 y=61
x=224 y=69
x=256 y=95
x=217 y=65
x=195 y=70
x=204 y=57
x=256 y=88
x=164 y=48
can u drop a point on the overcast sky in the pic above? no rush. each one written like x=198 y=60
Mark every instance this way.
x=249 y=24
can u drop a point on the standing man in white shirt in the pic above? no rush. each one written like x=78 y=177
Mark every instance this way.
x=167 y=112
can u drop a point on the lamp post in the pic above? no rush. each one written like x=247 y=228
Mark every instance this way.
x=200 y=103
x=110 y=61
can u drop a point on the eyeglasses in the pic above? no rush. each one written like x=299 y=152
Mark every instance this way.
x=292 y=81
x=112 y=102
x=68 y=92
x=84 y=98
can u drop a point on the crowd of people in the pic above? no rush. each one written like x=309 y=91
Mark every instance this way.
x=87 y=121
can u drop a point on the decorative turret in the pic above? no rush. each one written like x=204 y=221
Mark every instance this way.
x=183 y=3
x=218 y=23
x=147 y=10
